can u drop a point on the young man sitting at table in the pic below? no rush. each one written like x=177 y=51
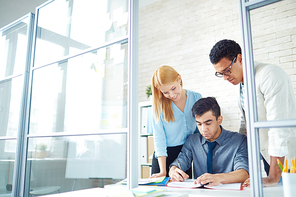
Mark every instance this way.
x=218 y=155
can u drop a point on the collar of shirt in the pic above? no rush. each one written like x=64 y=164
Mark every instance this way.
x=219 y=140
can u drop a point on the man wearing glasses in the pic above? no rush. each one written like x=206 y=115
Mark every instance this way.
x=275 y=101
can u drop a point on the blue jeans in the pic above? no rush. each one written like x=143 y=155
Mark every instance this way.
x=280 y=181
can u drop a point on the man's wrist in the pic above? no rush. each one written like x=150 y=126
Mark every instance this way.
x=222 y=177
x=171 y=170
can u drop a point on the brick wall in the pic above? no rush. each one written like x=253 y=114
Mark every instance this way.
x=181 y=34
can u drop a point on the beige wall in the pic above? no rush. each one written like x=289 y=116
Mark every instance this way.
x=181 y=34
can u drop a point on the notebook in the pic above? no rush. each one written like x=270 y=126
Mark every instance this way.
x=189 y=183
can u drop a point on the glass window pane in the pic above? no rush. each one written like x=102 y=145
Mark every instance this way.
x=13 y=49
x=7 y=159
x=10 y=100
x=85 y=94
x=59 y=164
x=68 y=27
x=274 y=36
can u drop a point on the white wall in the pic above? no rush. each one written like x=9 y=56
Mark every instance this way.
x=182 y=33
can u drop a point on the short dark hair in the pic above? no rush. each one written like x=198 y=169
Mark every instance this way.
x=204 y=105
x=224 y=48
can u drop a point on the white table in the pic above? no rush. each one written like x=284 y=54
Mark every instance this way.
x=44 y=190
x=267 y=192
x=176 y=192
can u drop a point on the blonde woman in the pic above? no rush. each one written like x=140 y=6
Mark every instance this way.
x=173 y=121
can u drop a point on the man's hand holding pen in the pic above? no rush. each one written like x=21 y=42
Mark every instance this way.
x=177 y=174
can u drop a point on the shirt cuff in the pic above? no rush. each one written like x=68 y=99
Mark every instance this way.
x=278 y=151
x=278 y=138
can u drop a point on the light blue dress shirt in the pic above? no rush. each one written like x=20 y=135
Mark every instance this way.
x=229 y=154
x=175 y=133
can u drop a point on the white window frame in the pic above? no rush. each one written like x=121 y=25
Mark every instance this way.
x=252 y=123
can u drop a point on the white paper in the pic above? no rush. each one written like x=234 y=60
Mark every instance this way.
x=189 y=183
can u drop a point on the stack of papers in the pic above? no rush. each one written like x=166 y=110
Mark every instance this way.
x=147 y=192
x=161 y=181
x=189 y=183
x=144 y=191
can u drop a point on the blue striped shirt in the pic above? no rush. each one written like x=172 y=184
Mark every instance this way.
x=242 y=95
x=229 y=154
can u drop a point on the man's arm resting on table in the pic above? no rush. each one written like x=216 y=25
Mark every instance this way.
x=275 y=172
x=274 y=176
x=237 y=176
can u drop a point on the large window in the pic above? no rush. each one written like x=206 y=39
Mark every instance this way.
x=66 y=116
x=78 y=103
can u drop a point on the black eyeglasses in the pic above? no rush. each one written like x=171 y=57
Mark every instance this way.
x=226 y=72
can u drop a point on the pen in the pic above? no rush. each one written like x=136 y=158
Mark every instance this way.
x=203 y=185
x=293 y=169
x=286 y=166
x=179 y=165
x=280 y=164
x=294 y=165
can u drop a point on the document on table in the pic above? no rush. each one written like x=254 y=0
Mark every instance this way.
x=160 y=181
x=189 y=183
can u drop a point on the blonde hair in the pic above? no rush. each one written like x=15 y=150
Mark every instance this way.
x=162 y=76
